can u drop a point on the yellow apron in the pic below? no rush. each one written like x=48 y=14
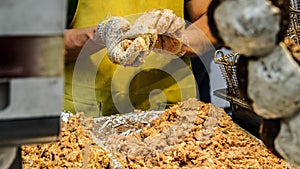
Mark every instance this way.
x=96 y=86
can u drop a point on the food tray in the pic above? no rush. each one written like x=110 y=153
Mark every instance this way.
x=111 y=132
x=191 y=134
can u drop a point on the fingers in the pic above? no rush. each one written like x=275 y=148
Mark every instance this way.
x=149 y=19
x=128 y=45
x=111 y=30
x=177 y=27
x=168 y=44
x=163 y=21
x=130 y=52
x=170 y=24
x=170 y=28
x=124 y=48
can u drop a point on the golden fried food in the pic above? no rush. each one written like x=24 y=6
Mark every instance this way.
x=70 y=151
x=192 y=134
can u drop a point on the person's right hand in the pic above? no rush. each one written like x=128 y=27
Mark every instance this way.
x=128 y=45
x=166 y=24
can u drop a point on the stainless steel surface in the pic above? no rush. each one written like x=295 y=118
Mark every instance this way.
x=31 y=56
x=34 y=98
x=32 y=17
x=222 y=93
x=31 y=72
x=7 y=156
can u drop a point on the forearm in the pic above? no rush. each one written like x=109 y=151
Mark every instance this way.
x=75 y=39
x=196 y=8
x=199 y=37
x=202 y=25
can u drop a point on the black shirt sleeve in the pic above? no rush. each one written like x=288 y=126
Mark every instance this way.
x=71 y=10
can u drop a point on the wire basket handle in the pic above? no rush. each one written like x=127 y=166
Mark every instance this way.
x=295 y=4
x=227 y=60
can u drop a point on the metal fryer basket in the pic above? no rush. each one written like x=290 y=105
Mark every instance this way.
x=228 y=62
x=228 y=67
x=294 y=28
x=241 y=110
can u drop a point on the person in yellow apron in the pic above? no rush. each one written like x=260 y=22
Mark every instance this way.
x=98 y=87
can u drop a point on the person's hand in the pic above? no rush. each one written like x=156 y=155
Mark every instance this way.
x=75 y=39
x=166 y=25
x=125 y=48
x=128 y=45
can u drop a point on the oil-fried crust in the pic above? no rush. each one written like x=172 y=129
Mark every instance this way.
x=128 y=45
x=191 y=134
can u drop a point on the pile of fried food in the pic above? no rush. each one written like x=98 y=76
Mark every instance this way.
x=75 y=148
x=191 y=134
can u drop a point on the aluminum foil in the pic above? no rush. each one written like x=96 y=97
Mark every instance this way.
x=121 y=124
x=124 y=124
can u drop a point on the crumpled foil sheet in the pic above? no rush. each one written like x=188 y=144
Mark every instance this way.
x=121 y=124
x=124 y=124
